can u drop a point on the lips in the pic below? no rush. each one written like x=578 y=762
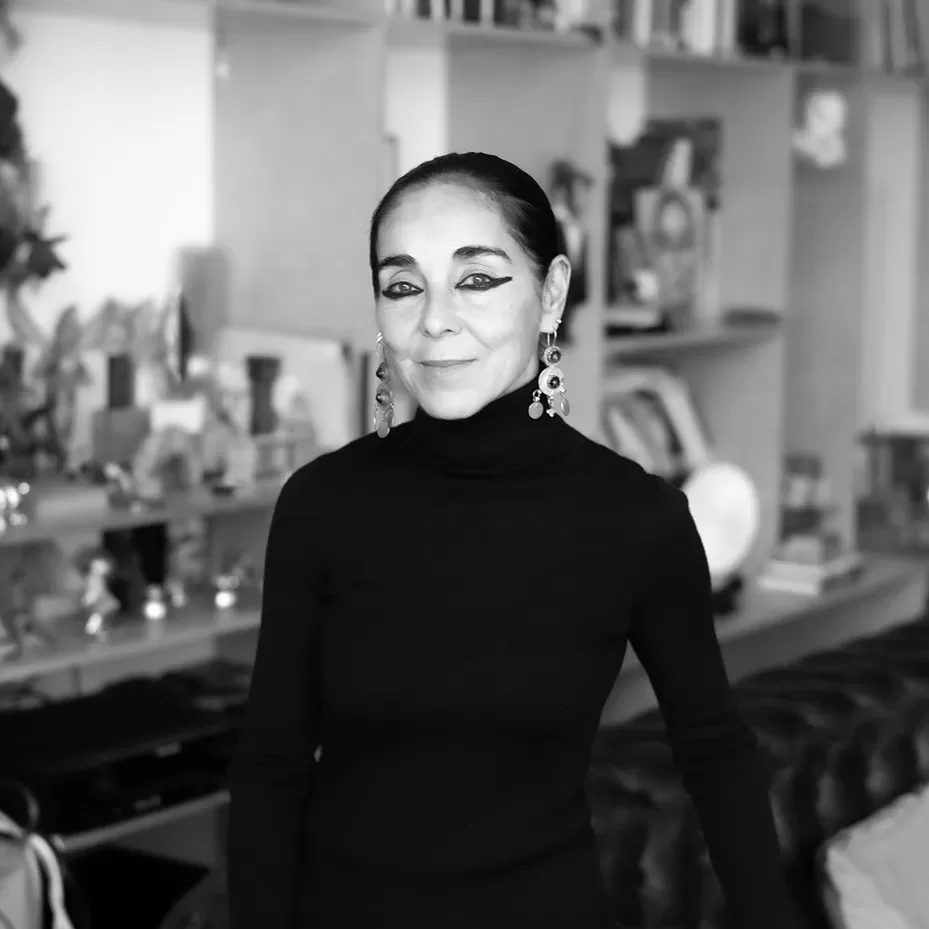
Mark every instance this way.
x=447 y=363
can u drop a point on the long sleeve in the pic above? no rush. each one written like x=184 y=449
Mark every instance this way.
x=272 y=775
x=716 y=753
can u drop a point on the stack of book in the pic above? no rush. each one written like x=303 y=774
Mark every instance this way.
x=810 y=578
x=885 y=35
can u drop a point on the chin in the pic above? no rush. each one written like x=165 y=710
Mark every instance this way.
x=451 y=404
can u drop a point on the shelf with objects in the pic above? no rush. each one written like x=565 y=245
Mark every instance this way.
x=721 y=318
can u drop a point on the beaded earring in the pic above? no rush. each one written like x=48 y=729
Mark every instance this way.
x=383 y=396
x=551 y=381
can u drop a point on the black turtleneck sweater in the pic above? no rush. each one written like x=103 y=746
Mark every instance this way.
x=445 y=613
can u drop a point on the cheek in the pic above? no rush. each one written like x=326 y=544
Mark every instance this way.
x=502 y=322
x=398 y=324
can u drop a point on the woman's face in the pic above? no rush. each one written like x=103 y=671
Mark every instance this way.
x=459 y=305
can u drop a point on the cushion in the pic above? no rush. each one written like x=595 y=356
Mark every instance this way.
x=876 y=871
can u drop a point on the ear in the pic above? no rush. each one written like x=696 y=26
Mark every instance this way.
x=555 y=293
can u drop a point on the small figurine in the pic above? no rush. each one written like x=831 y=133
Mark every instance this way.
x=177 y=595
x=154 y=609
x=18 y=621
x=96 y=597
x=12 y=499
x=227 y=591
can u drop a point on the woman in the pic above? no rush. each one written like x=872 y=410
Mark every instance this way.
x=446 y=610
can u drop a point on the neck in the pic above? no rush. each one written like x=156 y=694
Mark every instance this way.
x=501 y=437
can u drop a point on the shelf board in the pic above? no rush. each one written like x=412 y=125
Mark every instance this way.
x=738 y=64
x=763 y=610
x=708 y=336
x=192 y=12
x=85 y=841
x=132 y=639
x=404 y=31
x=192 y=506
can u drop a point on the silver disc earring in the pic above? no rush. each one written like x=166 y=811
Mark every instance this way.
x=383 y=395
x=551 y=381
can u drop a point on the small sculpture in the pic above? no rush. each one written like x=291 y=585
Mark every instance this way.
x=97 y=599
x=177 y=594
x=227 y=591
x=238 y=573
x=12 y=499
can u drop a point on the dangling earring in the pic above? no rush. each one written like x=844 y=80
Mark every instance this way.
x=383 y=396
x=551 y=381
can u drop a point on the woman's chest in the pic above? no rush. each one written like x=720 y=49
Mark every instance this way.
x=485 y=604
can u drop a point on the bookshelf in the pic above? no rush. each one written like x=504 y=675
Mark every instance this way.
x=305 y=93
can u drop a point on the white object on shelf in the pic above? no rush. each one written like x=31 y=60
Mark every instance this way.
x=725 y=507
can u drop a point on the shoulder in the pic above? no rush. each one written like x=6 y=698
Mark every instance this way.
x=629 y=481
x=332 y=475
x=648 y=508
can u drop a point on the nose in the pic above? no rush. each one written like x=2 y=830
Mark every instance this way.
x=439 y=315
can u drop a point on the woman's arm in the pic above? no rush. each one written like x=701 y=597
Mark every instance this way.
x=272 y=775
x=673 y=635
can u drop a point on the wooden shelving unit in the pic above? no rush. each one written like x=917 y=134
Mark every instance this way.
x=189 y=506
x=305 y=93
x=130 y=640
x=166 y=816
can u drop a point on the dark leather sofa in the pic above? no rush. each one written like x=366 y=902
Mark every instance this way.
x=844 y=732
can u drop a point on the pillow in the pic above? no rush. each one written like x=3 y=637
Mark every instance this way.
x=876 y=871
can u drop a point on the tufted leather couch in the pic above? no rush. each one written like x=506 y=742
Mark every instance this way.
x=844 y=732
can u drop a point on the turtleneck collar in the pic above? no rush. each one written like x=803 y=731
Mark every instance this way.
x=501 y=437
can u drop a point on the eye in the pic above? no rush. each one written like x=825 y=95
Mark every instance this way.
x=479 y=281
x=399 y=290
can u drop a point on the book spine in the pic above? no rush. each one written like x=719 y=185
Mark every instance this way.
x=643 y=23
x=727 y=27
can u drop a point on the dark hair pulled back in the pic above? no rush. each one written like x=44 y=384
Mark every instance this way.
x=523 y=204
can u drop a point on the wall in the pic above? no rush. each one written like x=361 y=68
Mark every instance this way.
x=119 y=116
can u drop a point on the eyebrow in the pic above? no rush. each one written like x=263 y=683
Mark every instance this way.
x=465 y=253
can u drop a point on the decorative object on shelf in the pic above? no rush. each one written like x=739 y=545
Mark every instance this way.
x=187 y=560
x=295 y=424
x=170 y=460
x=154 y=609
x=18 y=622
x=123 y=333
x=96 y=600
x=650 y=417
x=39 y=439
x=664 y=221
x=821 y=137
x=13 y=504
x=318 y=374
x=810 y=557
x=237 y=576
x=570 y=188
x=769 y=28
x=177 y=594
x=551 y=381
x=262 y=372
x=383 y=395
x=893 y=493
